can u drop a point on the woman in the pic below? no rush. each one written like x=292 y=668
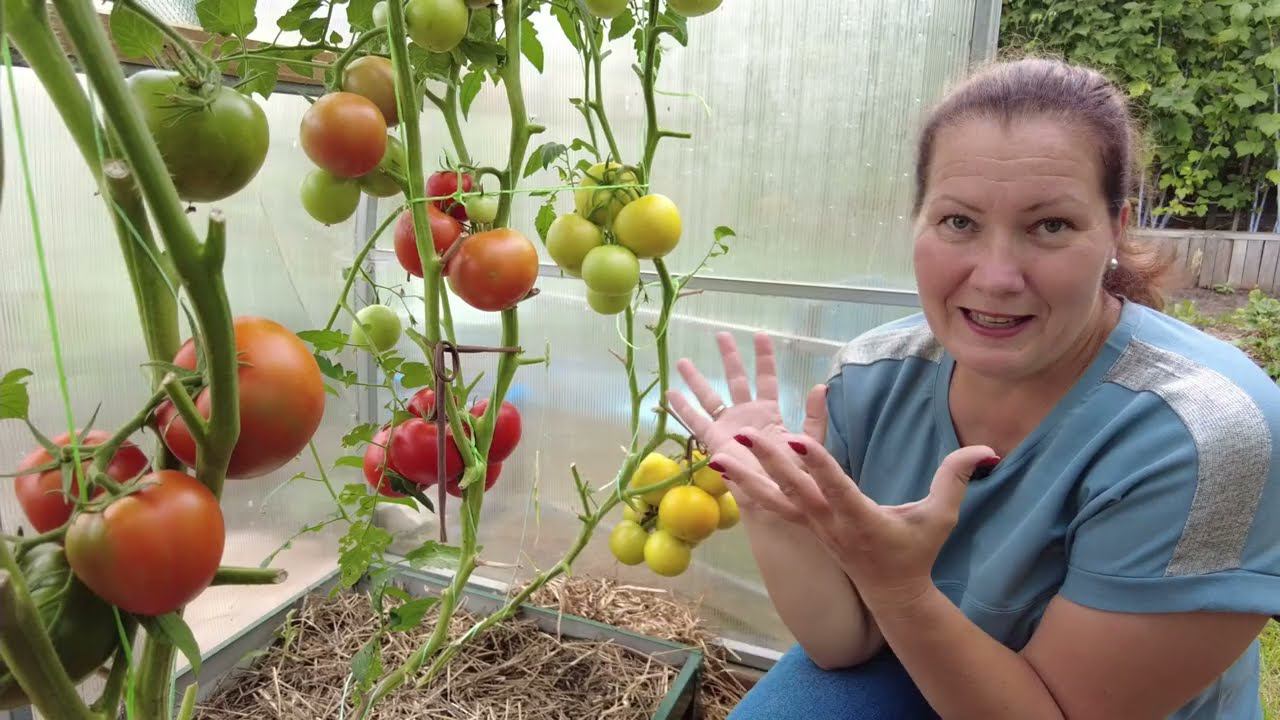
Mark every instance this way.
x=1039 y=498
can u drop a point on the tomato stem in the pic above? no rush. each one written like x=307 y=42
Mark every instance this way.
x=449 y=108
x=357 y=262
x=108 y=703
x=182 y=402
x=232 y=575
x=597 y=104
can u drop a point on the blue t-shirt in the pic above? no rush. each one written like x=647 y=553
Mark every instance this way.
x=1153 y=485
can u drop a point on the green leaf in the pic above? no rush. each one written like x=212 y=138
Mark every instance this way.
x=259 y=75
x=302 y=10
x=546 y=216
x=530 y=45
x=471 y=85
x=1245 y=148
x=1273 y=176
x=359 y=435
x=324 y=340
x=366 y=665
x=313 y=29
x=335 y=370
x=1272 y=9
x=227 y=17
x=409 y=615
x=1241 y=11
x=680 y=26
x=622 y=24
x=434 y=555
x=433 y=65
x=723 y=232
x=1246 y=100
x=579 y=144
x=568 y=24
x=173 y=629
x=415 y=374
x=542 y=157
x=14 y=402
x=1227 y=35
x=1268 y=123
x=1138 y=88
x=351 y=461
x=360 y=14
x=399 y=416
x=358 y=548
x=134 y=36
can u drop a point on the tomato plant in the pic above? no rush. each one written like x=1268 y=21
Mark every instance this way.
x=437 y=25
x=281 y=400
x=491 y=473
x=327 y=198
x=494 y=269
x=654 y=469
x=611 y=270
x=383 y=181
x=506 y=429
x=606 y=8
x=152 y=551
x=481 y=208
x=689 y=513
x=627 y=541
x=40 y=494
x=371 y=76
x=374 y=464
x=666 y=554
x=414 y=453
x=569 y=238
x=422 y=404
x=445 y=231
x=693 y=8
x=376 y=327
x=600 y=204
x=446 y=182
x=648 y=226
x=212 y=138
x=344 y=133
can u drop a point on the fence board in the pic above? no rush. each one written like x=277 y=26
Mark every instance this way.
x=1221 y=263
x=1267 y=266
x=1235 y=271
x=1195 y=259
x=1252 y=264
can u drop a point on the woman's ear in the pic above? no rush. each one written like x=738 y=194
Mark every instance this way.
x=1120 y=227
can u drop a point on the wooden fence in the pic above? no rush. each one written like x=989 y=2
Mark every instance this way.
x=1209 y=259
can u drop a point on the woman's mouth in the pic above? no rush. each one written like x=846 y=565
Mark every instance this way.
x=993 y=324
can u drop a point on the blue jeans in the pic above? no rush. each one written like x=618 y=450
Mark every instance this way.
x=796 y=689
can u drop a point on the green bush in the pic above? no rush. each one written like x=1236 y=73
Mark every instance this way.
x=1260 y=323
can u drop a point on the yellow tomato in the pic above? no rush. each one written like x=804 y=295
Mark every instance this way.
x=708 y=479
x=602 y=206
x=569 y=239
x=649 y=227
x=652 y=470
x=728 y=511
x=689 y=513
x=636 y=517
x=627 y=542
x=666 y=555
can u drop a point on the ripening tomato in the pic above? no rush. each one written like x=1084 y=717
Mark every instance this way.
x=40 y=494
x=601 y=205
x=281 y=400
x=445 y=182
x=491 y=473
x=666 y=554
x=627 y=541
x=608 y=304
x=482 y=209
x=506 y=430
x=372 y=77
x=689 y=512
x=611 y=270
x=375 y=464
x=344 y=133
x=494 y=269
x=154 y=550
x=328 y=198
x=380 y=14
x=606 y=8
x=381 y=181
x=422 y=404
x=445 y=231
x=569 y=238
x=437 y=25
x=414 y=452
x=693 y=8
x=649 y=226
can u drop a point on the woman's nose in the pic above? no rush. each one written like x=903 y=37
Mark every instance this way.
x=998 y=271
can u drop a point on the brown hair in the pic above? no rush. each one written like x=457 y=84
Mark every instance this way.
x=1073 y=94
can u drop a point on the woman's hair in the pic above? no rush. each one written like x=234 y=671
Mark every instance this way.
x=1085 y=99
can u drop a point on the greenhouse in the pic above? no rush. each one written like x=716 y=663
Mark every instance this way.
x=268 y=452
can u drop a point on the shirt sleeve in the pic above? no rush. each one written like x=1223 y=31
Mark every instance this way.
x=1187 y=526
x=836 y=441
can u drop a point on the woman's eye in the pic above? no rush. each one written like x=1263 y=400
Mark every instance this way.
x=1054 y=225
x=959 y=223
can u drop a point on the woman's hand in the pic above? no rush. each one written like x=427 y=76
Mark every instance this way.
x=887 y=551
x=761 y=414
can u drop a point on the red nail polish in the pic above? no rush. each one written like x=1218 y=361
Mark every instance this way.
x=743 y=440
x=798 y=447
x=716 y=466
x=990 y=462
x=984 y=468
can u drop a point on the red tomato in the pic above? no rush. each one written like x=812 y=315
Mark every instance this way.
x=281 y=400
x=40 y=494
x=344 y=133
x=375 y=463
x=444 y=232
x=422 y=403
x=445 y=182
x=414 y=453
x=153 y=551
x=506 y=431
x=494 y=269
x=491 y=474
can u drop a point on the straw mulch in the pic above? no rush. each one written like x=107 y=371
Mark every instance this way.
x=513 y=671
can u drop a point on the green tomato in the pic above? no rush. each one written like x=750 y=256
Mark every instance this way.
x=481 y=208
x=611 y=270
x=602 y=206
x=666 y=554
x=380 y=14
x=328 y=198
x=606 y=8
x=437 y=25
x=376 y=327
x=569 y=239
x=627 y=542
x=381 y=181
x=608 y=304
x=693 y=8
x=649 y=227
x=213 y=139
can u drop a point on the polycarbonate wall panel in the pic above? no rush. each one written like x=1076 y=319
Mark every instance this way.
x=280 y=263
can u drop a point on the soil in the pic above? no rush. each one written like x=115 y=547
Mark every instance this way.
x=1214 y=305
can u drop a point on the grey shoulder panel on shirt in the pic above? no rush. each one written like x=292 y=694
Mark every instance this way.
x=896 y=344
x=1233 y=444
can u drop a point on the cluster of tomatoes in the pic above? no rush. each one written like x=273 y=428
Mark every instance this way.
x=411 y=451
x=157 y=546
x=661 y=527
x=611 y=229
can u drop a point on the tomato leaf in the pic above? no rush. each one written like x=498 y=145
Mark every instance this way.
x=332 y=390
x=301 y=11
x=622 y=24
x=259 y=75
x=324 y=340
x=334 y=370
x=482 y=53
x=134 y=36
x=723 y=232
x=173 y=629
x=359 y=435
x=351 y=461
x=471 y=85
x=409 y=615
x=360 y=14
x=568 y=24
x=580 y=144
x=14 y=401
x=399 y=416
x=366 y=665
x=546 y=216
x=414 y=374
x=542 y=157
x=313 y=29
x=227 y=17
x=362 y=543
x=434 y=555
x=530 y=45
x=679 y=26
x=433 y=65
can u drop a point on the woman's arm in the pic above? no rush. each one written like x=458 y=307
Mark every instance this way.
x=1081 y=662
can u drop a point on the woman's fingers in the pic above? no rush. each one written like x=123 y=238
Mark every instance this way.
x=696 y=422
x=707 y=397
x=735 y=373
x=815 y=414
x=780 y=464
x=759 y=488
x=766 y=369
x=837 y=488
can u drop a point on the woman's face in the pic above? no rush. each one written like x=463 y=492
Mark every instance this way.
x=1012 y=241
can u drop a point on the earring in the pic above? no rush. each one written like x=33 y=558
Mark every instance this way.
x=1113 y=265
